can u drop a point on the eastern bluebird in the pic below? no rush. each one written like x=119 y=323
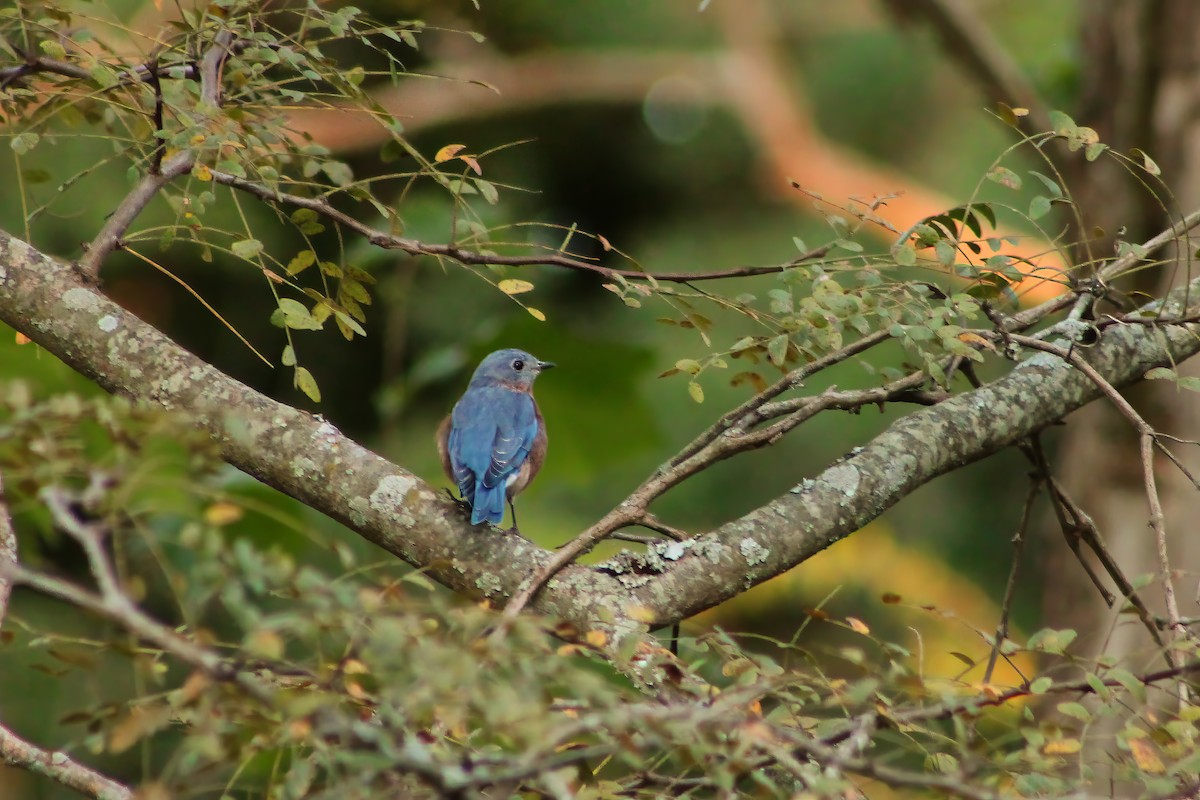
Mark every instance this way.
x=494 y=441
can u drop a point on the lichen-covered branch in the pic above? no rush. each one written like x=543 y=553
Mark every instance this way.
x=308 y=458
x=59 y=767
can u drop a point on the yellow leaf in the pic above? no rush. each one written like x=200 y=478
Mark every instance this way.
x=514 y=286
x=857 y=625
x=352 y=666
x=1062 y=747
x=975 y=338
x=299 y=729
x=201 y=172
x=1146 y=757
x=222 y=513
x=696 y=391
x=22 y=338
x=448 y=152
x=305 y=382
x=264 y=643
x=536 y=313
x=596 y=638
x=640 y=614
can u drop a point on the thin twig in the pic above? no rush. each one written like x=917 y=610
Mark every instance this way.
x=8 y=550
x=112 y=603
x=109 y=237
x=463 y=255
x=1018 y=542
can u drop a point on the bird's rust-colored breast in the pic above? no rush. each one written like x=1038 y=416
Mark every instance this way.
x=443 y=446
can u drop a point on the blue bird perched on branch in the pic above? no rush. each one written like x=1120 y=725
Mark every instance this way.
x=494 y=441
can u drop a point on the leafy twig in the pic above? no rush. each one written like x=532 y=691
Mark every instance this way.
x=109 y=237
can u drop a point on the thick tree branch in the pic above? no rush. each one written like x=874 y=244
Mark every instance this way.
x=309 y=459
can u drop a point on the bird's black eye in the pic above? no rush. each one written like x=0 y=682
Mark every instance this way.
x=518 y=365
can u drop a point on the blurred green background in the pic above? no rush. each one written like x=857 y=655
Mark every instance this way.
x=680 y=186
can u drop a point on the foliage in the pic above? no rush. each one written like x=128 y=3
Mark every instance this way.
x=253 y=654
x=363 y=678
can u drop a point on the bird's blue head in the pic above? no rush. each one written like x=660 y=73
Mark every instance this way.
x=514 y=367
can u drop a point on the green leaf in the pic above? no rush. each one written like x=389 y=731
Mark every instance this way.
x=904 y=254
x=305 y=382
x=488 y=190
x=1005 y=177
x=22 y=143
x=1050 y=184
x=301 y=261
x=1161 y=374
x=696 y=391
x=52 y=48
x=355 y=290
x=1147 y=162
x=742 y=344
x=688 y=365
x=1040 y=685
x=1128 y=680
x=296 y=316
x=288 y=359
x=1039 y=207
x=349 y=322
x=247 y=248
x=1075 y=710
x=777 y=349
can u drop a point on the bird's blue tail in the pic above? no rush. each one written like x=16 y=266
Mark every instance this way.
x=488 y=504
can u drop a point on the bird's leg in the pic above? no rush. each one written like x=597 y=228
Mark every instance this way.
x=513 y=510
x=461 y=502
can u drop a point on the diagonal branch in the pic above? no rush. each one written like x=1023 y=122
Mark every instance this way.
x=969 y=41
x=59 y=767
x=109 y=237
x=464 y=255
x=307 y=458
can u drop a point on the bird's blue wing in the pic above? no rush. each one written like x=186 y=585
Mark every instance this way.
x=515 y=431
x=492 y=430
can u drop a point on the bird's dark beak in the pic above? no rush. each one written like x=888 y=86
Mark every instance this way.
x=546 y=365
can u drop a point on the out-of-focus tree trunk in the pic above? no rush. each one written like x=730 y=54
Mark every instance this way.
x=1140 y=88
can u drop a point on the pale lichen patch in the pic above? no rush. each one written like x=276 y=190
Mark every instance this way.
x=489 y=584
x=304 y=467
x=753 y=552
x=843 y=478
x=108 y=323
x=79 y=299
x=358 y=511
x=389 y=496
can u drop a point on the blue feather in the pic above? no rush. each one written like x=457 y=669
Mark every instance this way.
x=493 y=429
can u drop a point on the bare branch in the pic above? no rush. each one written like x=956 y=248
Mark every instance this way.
x=464 y=255
x=1018 y=542
x=8 y=550
x=59 y=767
x=968 y=40
x=309 y=459
x=109 y=237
